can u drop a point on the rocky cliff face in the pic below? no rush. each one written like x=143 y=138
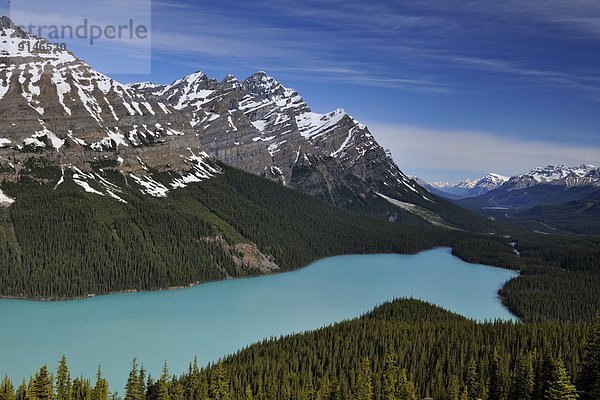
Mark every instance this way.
x=56 y=109
x=263 y=127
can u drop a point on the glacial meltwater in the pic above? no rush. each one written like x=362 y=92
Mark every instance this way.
x=215 y=319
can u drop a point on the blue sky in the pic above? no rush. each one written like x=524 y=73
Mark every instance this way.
x=454 y=89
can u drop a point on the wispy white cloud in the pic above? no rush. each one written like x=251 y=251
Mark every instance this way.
x=553 y=18
x=417 y=38
x=360 y=15
x=362 y=75
x=312 y=55
x=589 y=85
x=416 y=147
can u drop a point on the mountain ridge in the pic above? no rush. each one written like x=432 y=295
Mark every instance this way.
x=73 y=117
x=552 y=198
x=468 y=187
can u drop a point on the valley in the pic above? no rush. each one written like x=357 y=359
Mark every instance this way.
x=553 y=199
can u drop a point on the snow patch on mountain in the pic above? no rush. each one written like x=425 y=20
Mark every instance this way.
x=312 y=124
x=552 y=174
x=4 y=199
x=44 y=75
x=94 y=183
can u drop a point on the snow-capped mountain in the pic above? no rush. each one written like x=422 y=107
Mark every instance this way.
x=549 y=185
x=471 y=187
x=259 y=125
x=49 y=97
x=56 y=108
x=583 y=175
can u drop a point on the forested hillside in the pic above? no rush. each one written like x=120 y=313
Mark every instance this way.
x=63 y=242
x=559 y=275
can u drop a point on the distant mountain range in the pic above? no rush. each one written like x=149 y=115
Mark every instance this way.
x=559 y=197
x=466 y=188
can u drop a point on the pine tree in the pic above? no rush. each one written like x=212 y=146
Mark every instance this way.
x=499 y=380
x=82 y=389
x=203 y=390
x=260 y=394
x=63 y=380
x=364 y=381
x=560 y=387
x=7 y=391
x=142 y=380
x=100 y=390
x=248 y=392
x=336 y=391
x=472 y=381
x=589 y=378
x=544 y=376
x=42 y=385
x=405 y=387
x=21 y=393
x=133 y=386
x=192 y=383
x=522 y=385
x=309 y=389
x=219 y=384
x=272 y=387
x=31 y=389
x=453 y=389
x=176 y=390
x=324 y=391
x=151 y=389
x=163 y=383
x=390 y=375
x=286 y=389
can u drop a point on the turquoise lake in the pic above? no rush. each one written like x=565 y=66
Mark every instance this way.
x=215 y=319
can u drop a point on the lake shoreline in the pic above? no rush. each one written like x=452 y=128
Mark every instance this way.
x=221 y=318
x=198 y=283
x=193 y=284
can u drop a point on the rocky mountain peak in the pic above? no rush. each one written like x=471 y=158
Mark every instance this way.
x=490 y=181
x=265 y=128
x=189 y=92
x=230 y=80
x=21 y=47
x=263 y=86
x=198 y=75
x=264 y=92
x=7 y=23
